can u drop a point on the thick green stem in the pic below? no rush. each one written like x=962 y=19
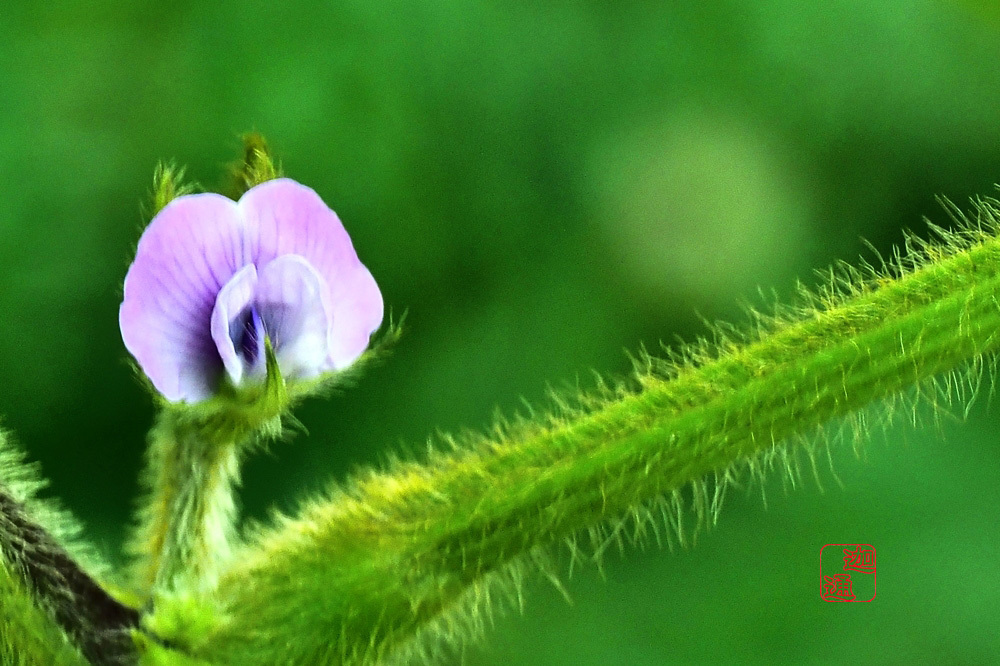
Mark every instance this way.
x=358 y=575
x=186 y=524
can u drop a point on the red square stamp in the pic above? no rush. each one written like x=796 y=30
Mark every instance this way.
x=847 y=572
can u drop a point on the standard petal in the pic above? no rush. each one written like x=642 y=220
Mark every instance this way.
x=285 y=217
x=233 y=300
x=189 y=250
x=293 y=301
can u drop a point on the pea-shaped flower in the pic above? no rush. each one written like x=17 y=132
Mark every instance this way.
x=213 y=279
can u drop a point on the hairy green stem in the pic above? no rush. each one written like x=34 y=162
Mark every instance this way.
x=389 y=556
x=186 y=521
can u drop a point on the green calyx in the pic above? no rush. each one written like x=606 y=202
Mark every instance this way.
x=253 y=411
x=240 y=413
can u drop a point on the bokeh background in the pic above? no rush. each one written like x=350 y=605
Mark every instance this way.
x=543 y=186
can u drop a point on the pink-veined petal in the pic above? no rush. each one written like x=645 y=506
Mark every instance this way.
x=189 y=250
x=233 y=299
x=294 y=303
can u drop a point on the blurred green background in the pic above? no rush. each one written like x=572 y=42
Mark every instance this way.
x=543 y=186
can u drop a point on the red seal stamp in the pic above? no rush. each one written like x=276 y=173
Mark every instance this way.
x=847 y=572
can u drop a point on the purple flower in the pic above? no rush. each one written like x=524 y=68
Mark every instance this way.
x=212 y=277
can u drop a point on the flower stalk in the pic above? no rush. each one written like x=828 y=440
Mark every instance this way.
x=186 y=526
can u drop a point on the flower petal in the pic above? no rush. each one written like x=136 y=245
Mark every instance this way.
x=233 y=300
x=189 y=250
x=293 y=301
x=289 y=218
x=357 y=313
